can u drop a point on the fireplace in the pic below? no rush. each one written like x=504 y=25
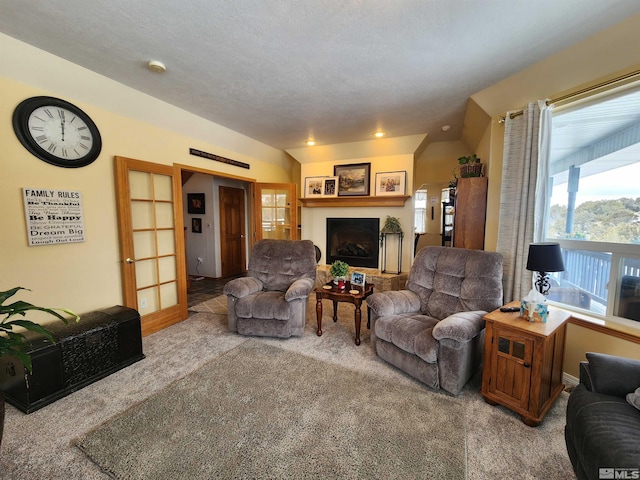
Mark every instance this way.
x=354 y=241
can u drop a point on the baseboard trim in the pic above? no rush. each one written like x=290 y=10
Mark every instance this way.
x=569 y=380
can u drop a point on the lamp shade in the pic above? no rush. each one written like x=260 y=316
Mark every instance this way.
x=545 y=257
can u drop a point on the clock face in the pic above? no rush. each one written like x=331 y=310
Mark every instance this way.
x=57 y=132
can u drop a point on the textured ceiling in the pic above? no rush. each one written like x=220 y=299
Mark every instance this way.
x=280 y=71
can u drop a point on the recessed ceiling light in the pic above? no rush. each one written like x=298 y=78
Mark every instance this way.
x=446 y=128
x=311 y=142
x=156 y=66
x=379 y=134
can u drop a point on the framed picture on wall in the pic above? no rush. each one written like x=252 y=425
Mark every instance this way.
x=354 y=179
x=196 y=225
x=330 y=187
x=195 y=203
x=391 y=183
x=313 y=187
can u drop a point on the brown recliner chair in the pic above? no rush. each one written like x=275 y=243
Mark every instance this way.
x=271 y=301
x=434 y=330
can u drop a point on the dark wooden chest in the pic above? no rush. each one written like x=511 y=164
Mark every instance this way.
x=103 y=342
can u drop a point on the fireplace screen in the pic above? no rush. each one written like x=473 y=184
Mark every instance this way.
x=354 y=241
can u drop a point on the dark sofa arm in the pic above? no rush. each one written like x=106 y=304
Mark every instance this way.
x=610 y=374
x=585 y=376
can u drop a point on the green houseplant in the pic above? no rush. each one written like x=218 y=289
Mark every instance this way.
x=339 y=269
x=470 y=166
x=392 y=225
x=15 y=343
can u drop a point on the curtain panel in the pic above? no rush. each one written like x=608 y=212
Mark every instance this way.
x=524 y=194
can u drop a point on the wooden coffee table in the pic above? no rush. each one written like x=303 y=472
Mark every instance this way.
x=337 y=295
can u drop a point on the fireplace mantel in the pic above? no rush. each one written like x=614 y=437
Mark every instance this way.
x=326 y=202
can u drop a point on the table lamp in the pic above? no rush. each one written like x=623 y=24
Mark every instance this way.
x=544 y=257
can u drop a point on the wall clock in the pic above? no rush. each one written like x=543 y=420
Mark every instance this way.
x=57 y=132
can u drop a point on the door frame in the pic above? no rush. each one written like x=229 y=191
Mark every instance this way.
x=251 y=183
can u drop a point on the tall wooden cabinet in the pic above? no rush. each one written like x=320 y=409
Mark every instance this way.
x=470 y=213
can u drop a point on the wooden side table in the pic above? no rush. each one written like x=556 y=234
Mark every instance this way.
x=344 y=295
x=523 y=362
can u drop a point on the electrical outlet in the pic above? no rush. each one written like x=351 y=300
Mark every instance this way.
x=143 y=302
x=200 y=260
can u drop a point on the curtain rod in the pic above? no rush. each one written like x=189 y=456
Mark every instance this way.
x=612 y=81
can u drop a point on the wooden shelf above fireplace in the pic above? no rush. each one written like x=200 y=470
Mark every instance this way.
x=386 y=201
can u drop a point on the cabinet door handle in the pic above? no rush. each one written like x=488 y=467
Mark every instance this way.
x=527 y=364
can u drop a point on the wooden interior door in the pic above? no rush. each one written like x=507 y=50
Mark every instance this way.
x=151 y=242
x=276 y=211
x=232 y=231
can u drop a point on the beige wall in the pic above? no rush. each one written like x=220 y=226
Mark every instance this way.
x=85 y=276
x=581 y=340
x=434 y=170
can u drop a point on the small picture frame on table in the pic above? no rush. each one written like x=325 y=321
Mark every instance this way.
x=391 y=183
x=357 y=279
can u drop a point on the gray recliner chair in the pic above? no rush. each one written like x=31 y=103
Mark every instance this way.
x=271 y=301
x=434 y=330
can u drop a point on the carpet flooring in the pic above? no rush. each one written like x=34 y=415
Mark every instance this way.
x=42 y=445
x=261 y=412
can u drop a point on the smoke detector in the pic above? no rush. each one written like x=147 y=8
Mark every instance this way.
x=156 y=66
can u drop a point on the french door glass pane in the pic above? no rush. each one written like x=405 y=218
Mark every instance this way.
x=166 y=242
x=167 y=269
x=169 y=294
x=148 y=301
x=164 y=215
x=146 y=273
x=144 y=244
x=276 y=214
x=163 y=189
x=142 y=215
x=140 y=185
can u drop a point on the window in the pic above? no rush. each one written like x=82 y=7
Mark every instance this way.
x=594 y=209
x=420 y=212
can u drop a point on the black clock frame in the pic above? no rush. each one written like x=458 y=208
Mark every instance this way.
x=21 y=127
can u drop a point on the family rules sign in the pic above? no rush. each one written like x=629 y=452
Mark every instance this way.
x=53 y=216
